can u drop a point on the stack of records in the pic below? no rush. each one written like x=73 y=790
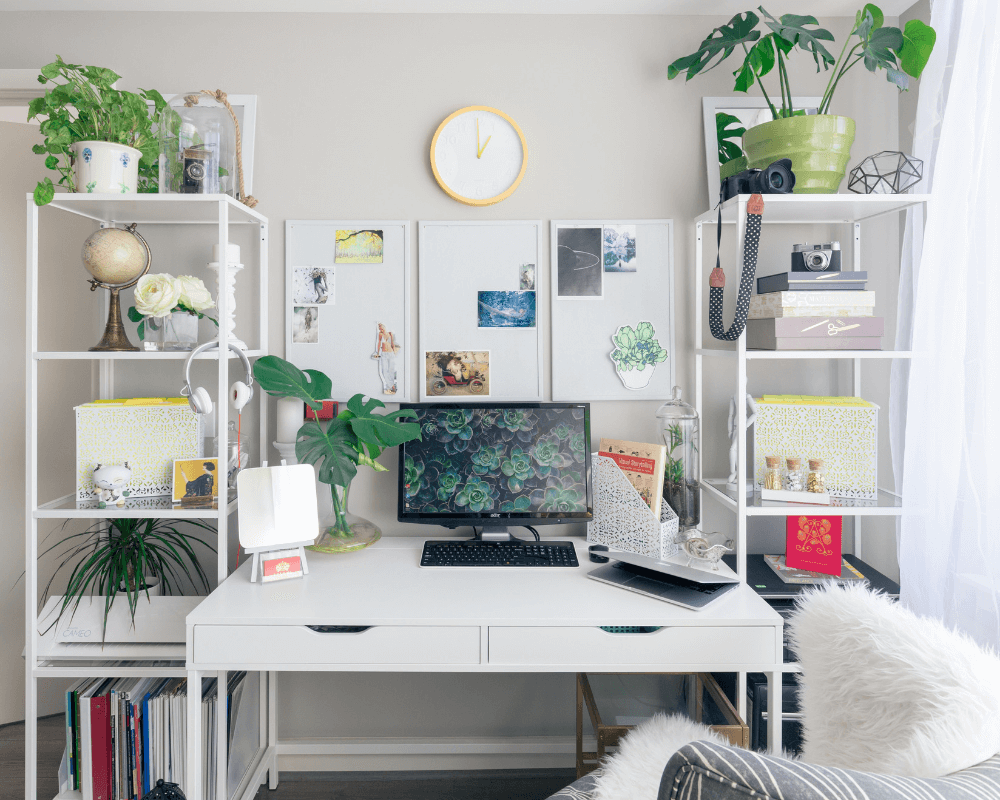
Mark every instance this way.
x=814 y=311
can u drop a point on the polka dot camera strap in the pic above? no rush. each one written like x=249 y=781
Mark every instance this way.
x=717 y=281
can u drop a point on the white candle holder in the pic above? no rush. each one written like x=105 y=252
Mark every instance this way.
x=230 y=288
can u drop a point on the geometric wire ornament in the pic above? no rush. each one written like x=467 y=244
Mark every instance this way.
x=888 y=172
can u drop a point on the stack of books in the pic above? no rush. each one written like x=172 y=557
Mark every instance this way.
x=814 y=311
x=122 y=734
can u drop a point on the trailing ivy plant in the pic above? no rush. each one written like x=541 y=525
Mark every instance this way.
x=82 y=105
x=767 y=42
x=336 y=448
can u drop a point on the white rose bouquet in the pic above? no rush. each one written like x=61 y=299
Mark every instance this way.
x=162 y=294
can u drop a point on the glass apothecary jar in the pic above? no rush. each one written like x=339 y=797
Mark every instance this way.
x=795 y=479
x=679 y=431
x=816 y=479
x=197 y=146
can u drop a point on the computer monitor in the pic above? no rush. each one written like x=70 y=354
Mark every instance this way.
x=497 y=465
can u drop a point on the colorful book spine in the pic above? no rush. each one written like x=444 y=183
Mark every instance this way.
x=100 y=747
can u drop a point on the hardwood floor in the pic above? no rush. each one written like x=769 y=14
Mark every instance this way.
x=472 y=785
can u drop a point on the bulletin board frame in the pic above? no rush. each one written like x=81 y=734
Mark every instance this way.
x=457 y=260
x=582 y=326
x=346 y=355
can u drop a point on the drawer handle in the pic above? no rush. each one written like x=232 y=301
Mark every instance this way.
x=629 y=629
x=338 y=628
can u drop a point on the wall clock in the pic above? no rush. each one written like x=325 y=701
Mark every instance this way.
x=479 y=155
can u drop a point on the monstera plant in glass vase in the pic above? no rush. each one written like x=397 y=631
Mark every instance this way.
x=337 y=447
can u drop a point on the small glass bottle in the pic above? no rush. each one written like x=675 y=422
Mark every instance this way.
x=237 y=455
x=772 y=474
x=795 y=479
x=816 y=480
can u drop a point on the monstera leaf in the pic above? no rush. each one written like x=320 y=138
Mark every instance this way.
x=918 y=42
x=792 y=28
x=720 y=42
x=282 y=379
x=375 y=432
x=331 y=448
x=724 y=132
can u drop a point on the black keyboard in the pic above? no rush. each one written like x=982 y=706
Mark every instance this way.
x=474 y=553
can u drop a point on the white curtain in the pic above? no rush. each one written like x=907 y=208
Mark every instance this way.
x=949 y=310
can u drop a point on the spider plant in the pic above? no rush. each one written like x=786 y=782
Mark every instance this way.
x=115 y=556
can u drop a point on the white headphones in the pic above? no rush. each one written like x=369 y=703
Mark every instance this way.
x=240 y=393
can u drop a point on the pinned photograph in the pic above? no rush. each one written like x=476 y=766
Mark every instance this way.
x=580 y=273
x=386 y=348
x=358 y=247
x=619 y=248
x=313 y=286
x=458 y=373
x=195 y=481
x=305 y=324
x=527 y=276
x=506 y=309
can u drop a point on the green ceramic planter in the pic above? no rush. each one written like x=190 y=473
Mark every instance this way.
x=819 y=146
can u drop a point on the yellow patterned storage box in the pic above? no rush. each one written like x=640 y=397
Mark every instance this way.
x=843 y=431
x=147 y=432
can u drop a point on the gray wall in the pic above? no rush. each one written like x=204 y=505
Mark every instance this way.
x=347 y=108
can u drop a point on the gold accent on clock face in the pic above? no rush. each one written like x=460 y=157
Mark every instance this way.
x=479 y=155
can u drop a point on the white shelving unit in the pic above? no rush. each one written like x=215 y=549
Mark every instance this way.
x=847 y=209
x=44 y=657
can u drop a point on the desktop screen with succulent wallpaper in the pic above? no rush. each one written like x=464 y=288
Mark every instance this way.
x=489 y=461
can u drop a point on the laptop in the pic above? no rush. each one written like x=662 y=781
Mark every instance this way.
x=661 y=586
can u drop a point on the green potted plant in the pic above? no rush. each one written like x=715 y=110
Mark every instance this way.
x=126 y=557
x=98 y=138
x=336 y=448
x=636 y=354
x=819 y=145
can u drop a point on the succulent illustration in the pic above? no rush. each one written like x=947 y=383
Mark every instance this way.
x=520 y=504
x=413 y=476
x=517 y=468
x=447 y=482
x=636 y=349
x=559 y=499
x=487 y=459
x=547 y=454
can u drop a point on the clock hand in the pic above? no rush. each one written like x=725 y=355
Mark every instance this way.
x=479 y=150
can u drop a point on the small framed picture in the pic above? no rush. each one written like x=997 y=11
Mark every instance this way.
x=196 y=481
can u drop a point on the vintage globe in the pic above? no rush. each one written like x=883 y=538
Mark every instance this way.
x=114 y=256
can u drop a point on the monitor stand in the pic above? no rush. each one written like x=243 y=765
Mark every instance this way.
x=495 y=533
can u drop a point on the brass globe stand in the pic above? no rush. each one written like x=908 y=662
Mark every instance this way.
x=115 y=339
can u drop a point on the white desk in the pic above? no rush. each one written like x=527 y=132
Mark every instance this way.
x=460 y=620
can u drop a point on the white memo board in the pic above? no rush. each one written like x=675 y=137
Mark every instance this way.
x=458 y=260
x=582 y=326
x=361 y=295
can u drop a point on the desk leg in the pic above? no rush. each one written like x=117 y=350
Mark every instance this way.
x=774 y=689
x=193 y=777
x=272 y=728
x=221 y=776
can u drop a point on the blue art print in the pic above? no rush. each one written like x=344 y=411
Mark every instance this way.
x=508 y=460
x=507 y=309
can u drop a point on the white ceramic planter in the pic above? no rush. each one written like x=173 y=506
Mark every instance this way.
x=106 y=168
x=637 y=378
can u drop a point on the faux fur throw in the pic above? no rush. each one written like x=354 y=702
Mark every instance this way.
x=634 y=772
x=887 y=691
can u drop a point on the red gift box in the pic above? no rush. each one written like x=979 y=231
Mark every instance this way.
x=328 y=411
x=814 y=543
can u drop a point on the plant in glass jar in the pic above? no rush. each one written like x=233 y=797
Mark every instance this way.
x=336 y=448
x=97 y=138
x=678 y=424
x=168 y=309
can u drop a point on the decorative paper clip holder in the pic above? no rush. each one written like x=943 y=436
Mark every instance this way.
x=623 y=521
x=279 y=517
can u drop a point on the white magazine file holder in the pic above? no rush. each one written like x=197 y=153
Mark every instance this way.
x=278 y=511
x=623 y=521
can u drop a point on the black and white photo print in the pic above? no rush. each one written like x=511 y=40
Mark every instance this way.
x=581 y=272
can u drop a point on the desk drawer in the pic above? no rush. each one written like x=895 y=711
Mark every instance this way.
x=582 y=648
x=298 y=645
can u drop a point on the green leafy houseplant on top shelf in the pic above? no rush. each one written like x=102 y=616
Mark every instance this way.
x=336 y=448
x=766 y=43
x=82 y=105
x=120 y=557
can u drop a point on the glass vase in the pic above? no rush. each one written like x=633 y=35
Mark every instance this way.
x=176 y=331
x=679 y=431
x=340 y=530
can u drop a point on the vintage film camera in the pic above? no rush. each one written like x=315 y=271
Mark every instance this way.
x=777 y=178
x=816 y=257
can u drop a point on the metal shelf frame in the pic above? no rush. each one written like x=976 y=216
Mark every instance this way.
x=848 y=209
x=43 y=658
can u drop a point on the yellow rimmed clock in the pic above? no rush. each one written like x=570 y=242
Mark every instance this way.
x=479 y=155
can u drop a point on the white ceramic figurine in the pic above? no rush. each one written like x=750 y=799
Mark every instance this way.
x=110 y=483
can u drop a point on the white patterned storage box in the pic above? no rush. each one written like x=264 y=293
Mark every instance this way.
x=147 y=432
x=843 y=431
x=623 y=521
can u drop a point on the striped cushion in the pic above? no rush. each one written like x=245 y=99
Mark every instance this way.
x=714 y=772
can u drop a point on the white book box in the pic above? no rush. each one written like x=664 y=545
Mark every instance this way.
x=623 y=521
